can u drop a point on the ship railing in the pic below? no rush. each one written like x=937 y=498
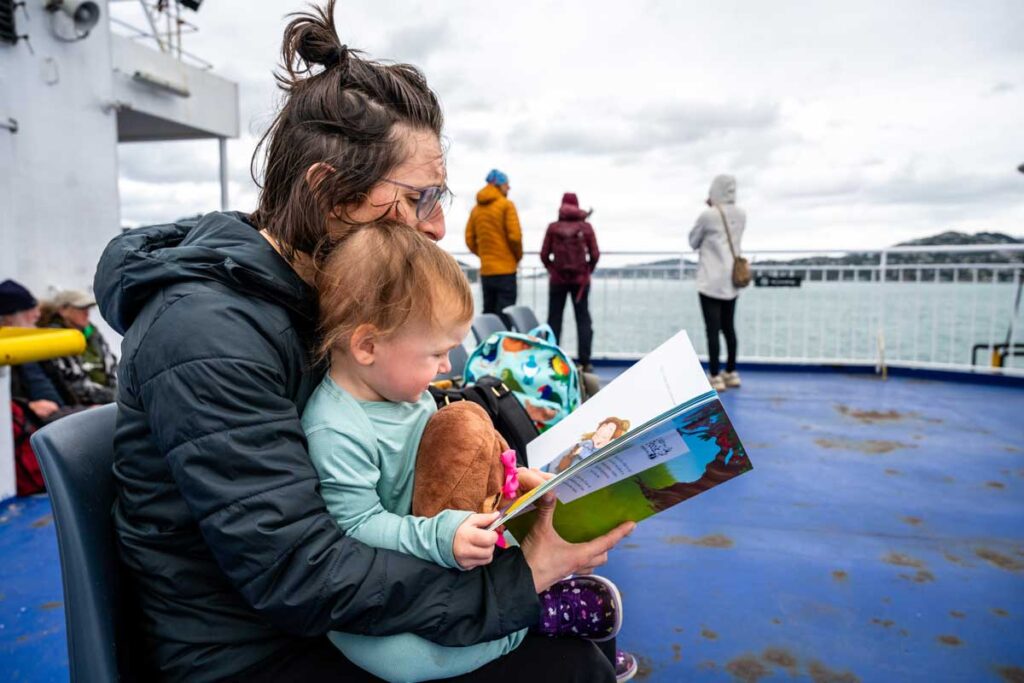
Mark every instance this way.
x=884 y=312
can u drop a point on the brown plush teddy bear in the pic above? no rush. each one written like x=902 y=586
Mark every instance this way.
x=459 y=464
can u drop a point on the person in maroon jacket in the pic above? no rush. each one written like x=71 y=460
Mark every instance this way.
x=570 y=255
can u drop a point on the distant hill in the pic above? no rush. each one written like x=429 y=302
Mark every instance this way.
x=950 y=238
x=953 y=237
x=670 y=266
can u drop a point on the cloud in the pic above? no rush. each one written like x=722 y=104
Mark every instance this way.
x=914 y=136
x=947 y=188
x=146 y=203
x=169 y=161
x=904 y=187
x=648 y=129
x=418 y=43
x=471 y=139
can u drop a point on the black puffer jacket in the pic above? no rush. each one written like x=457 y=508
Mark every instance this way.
x=218 y=517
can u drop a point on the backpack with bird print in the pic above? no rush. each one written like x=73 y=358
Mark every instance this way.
x=539 y=373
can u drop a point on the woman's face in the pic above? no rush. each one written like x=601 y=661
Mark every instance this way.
x=422 y=167
x=604 y=434
x=76 y=317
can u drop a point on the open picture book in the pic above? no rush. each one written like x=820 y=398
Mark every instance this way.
x=652 y=438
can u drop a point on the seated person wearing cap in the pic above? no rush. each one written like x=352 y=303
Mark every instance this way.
x=38 y=387
x=91 y=376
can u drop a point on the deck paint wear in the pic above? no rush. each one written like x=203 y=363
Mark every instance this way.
x=825 y=563
x=855 y=563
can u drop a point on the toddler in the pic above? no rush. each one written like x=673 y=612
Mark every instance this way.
x=392 y=305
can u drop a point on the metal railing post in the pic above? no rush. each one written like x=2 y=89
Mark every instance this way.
x=222 y=148
x=1011 y=335
x=8 y=478
x=883 y=262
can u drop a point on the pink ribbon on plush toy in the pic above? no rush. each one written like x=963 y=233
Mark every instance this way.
x=510 y=489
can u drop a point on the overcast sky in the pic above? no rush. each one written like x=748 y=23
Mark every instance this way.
x=847 y=124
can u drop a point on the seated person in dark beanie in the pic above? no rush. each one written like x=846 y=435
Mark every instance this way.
x=37 y=385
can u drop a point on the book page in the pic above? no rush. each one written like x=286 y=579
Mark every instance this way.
x=659 y=447
x=664 y=378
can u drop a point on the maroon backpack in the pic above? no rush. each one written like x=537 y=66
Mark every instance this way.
x=29 y=477
x=569 y=249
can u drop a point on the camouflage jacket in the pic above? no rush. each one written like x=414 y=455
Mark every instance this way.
x=92 y=376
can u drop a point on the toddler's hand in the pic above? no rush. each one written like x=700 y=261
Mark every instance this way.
x=474 y=544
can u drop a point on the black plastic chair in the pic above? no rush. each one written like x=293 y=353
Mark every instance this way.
x=76 y=454
x=486 y=324
x=522 y=318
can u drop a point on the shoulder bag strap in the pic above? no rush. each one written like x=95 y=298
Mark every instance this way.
x=728 y=235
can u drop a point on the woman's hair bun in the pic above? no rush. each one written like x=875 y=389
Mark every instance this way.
x=311 y=39
x=336 y=57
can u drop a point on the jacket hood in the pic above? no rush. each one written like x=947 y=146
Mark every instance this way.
x=489 y=194
x=217 y=247
x=570 y=209
x=723 y=190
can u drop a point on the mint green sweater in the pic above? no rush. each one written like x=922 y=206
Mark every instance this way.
x=365 y=455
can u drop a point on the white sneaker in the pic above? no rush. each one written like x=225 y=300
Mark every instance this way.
x=717 y=382
x=732 y=379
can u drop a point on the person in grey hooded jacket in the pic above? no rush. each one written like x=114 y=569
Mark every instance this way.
x=714 y=275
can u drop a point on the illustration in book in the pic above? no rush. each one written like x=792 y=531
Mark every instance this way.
x=606 y=431
x=653 y=438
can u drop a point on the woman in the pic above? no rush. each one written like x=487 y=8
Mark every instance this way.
x=607 y=431
x=570 y=255
x=716 y=227
x=238 y=569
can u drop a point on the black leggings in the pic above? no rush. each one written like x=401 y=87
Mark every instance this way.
x=719 y=315
x=539 y=659
x=584 y=328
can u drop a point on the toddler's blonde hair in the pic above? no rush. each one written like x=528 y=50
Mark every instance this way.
x=388 y=275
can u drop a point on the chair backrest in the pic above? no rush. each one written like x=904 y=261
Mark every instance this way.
x=76 y=455
x=486 y=324
x=457 y=357
x=523 y=318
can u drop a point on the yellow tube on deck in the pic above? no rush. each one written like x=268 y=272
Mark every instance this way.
x=26 y=345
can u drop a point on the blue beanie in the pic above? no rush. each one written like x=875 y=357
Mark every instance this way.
x=14 y=298
x=496 y=177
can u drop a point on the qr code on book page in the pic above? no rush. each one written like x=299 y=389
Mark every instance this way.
x=656 y=448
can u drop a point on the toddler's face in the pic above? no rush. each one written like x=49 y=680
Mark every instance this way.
x=405 y=364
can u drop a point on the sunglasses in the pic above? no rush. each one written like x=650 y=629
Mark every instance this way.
x=429 y=199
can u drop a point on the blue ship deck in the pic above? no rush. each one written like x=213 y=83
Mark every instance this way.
x=880 y=537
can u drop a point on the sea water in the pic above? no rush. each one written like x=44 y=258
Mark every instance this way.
x=915 y=322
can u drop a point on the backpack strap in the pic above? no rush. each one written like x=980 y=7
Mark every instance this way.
x=501 y=405
x=510 y=418
x=543 y=331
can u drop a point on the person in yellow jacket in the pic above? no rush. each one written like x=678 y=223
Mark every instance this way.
x=493 y=234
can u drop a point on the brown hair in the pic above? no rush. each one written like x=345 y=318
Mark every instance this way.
x=388 y=275
x=621 y=427
x=346 y=117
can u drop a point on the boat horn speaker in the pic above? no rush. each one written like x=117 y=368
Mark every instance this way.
x=85 y=13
